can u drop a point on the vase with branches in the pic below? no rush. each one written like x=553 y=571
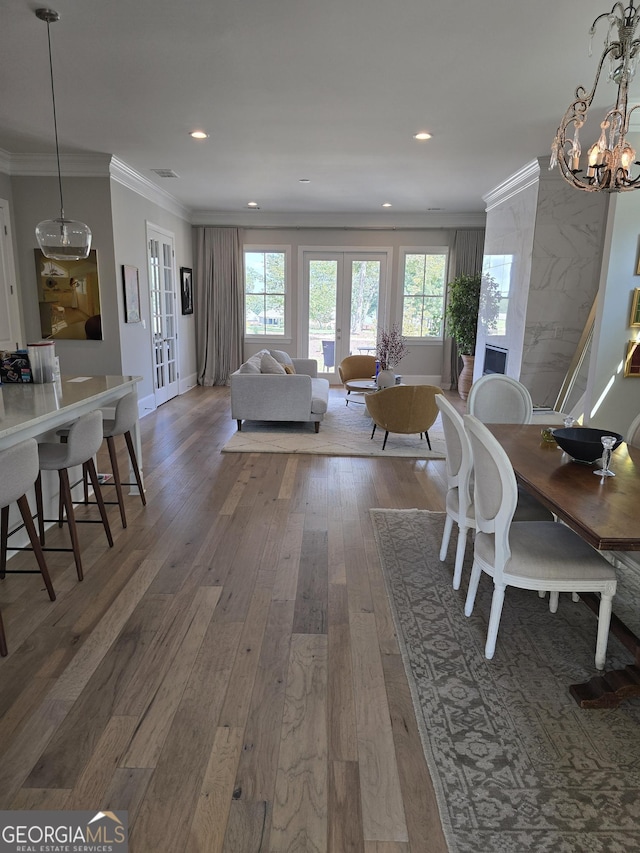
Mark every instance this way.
x=391 y=347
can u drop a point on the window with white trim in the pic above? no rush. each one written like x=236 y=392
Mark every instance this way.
x=266 y=288
x=424 y=281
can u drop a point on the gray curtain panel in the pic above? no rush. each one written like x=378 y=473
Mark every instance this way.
x=466 y=259
x=219 y=303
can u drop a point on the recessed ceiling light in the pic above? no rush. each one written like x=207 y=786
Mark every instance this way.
x=253 y=205
x=387 y=204
x=199 y=134
x=422 y=135
x=304 y=181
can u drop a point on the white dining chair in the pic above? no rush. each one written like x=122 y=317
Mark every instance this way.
x=499 y=399
x=459 y=500
x=533 y=555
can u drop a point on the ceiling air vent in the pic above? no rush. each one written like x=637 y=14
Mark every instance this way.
x=165 y=173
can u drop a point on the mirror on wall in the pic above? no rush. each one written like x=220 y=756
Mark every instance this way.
x=69 y=298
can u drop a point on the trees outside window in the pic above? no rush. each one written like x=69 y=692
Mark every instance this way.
x=424 y=285
x=265 y=275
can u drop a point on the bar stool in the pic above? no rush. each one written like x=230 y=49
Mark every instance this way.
x=83 y=442
x=126 y=415
x=19 y=466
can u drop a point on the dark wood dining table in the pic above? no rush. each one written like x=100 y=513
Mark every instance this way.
x=605 y=512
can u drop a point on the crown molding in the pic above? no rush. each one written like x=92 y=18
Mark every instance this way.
x=123 y=174
x=71 y=165
x=519 y=181
x=386 y=222
x=92 y=166
x=5 y=162
x=109 y=166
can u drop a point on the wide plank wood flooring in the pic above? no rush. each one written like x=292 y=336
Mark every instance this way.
x=228 y=672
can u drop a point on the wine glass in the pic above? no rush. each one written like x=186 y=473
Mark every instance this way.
x=569 y=422
x=607 y=443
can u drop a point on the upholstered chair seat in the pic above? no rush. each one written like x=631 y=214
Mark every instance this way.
x=356 y=368
x=459 y=500
x=404 y=409
x=533 y=555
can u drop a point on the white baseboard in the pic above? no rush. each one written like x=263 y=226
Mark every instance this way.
x=187 y=383
x=146 y=405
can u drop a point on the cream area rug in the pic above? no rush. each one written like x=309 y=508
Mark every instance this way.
x=345 y=431
x=516 y=764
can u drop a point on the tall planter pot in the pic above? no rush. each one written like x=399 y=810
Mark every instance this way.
x=465 y=379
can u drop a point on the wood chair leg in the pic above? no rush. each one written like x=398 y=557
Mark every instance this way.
x=85 y=483
x=116 y=478
x=98 y=493
x=25 y=512
x=65 y=490
x=4 y=535
x=39 y=507
x=3 y=640
x=134 y=464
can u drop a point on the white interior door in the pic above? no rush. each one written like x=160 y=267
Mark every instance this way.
x=343 y=299
x=164 y=326
x=11 y=336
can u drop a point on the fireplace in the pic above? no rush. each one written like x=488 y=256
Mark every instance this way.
x=495 y=360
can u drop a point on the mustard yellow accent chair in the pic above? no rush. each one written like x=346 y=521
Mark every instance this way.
x=359 y=368
x=404 y=409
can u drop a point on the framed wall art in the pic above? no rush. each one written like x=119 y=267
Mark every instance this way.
x=69 y=298
x=186 y=290
x=632 y=361
x=131 y=286
x=635 y=308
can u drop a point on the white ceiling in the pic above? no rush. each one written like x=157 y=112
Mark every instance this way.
x=327 y=91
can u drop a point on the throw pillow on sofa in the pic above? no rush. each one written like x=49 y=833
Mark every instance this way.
x=252 y=364
x=281 y=356
x=268 y=364
x=289 y=368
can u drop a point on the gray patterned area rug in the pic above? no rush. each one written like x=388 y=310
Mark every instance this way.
x=516 y=764
x=345 y=431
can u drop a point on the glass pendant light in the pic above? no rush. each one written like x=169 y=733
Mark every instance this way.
x=61 y=239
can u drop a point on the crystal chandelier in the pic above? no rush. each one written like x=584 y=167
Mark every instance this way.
x=611 y=158
x=61 y=239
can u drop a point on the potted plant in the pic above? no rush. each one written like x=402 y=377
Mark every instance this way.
x=462 y=323
x=390 y=350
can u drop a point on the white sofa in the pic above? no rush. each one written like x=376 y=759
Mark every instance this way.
x=278 y=396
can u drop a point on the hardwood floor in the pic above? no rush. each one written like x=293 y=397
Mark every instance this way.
x=228 y=671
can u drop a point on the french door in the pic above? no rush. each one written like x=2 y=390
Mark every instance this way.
x=343 y=297
x=10 y=331
x=164 y=331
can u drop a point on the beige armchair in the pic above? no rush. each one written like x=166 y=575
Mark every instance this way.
x=404 y=409
x=356 y=368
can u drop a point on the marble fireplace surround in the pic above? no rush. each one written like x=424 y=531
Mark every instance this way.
x=545 y=241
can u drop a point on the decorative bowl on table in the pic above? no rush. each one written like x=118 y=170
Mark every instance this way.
x=583 y=443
